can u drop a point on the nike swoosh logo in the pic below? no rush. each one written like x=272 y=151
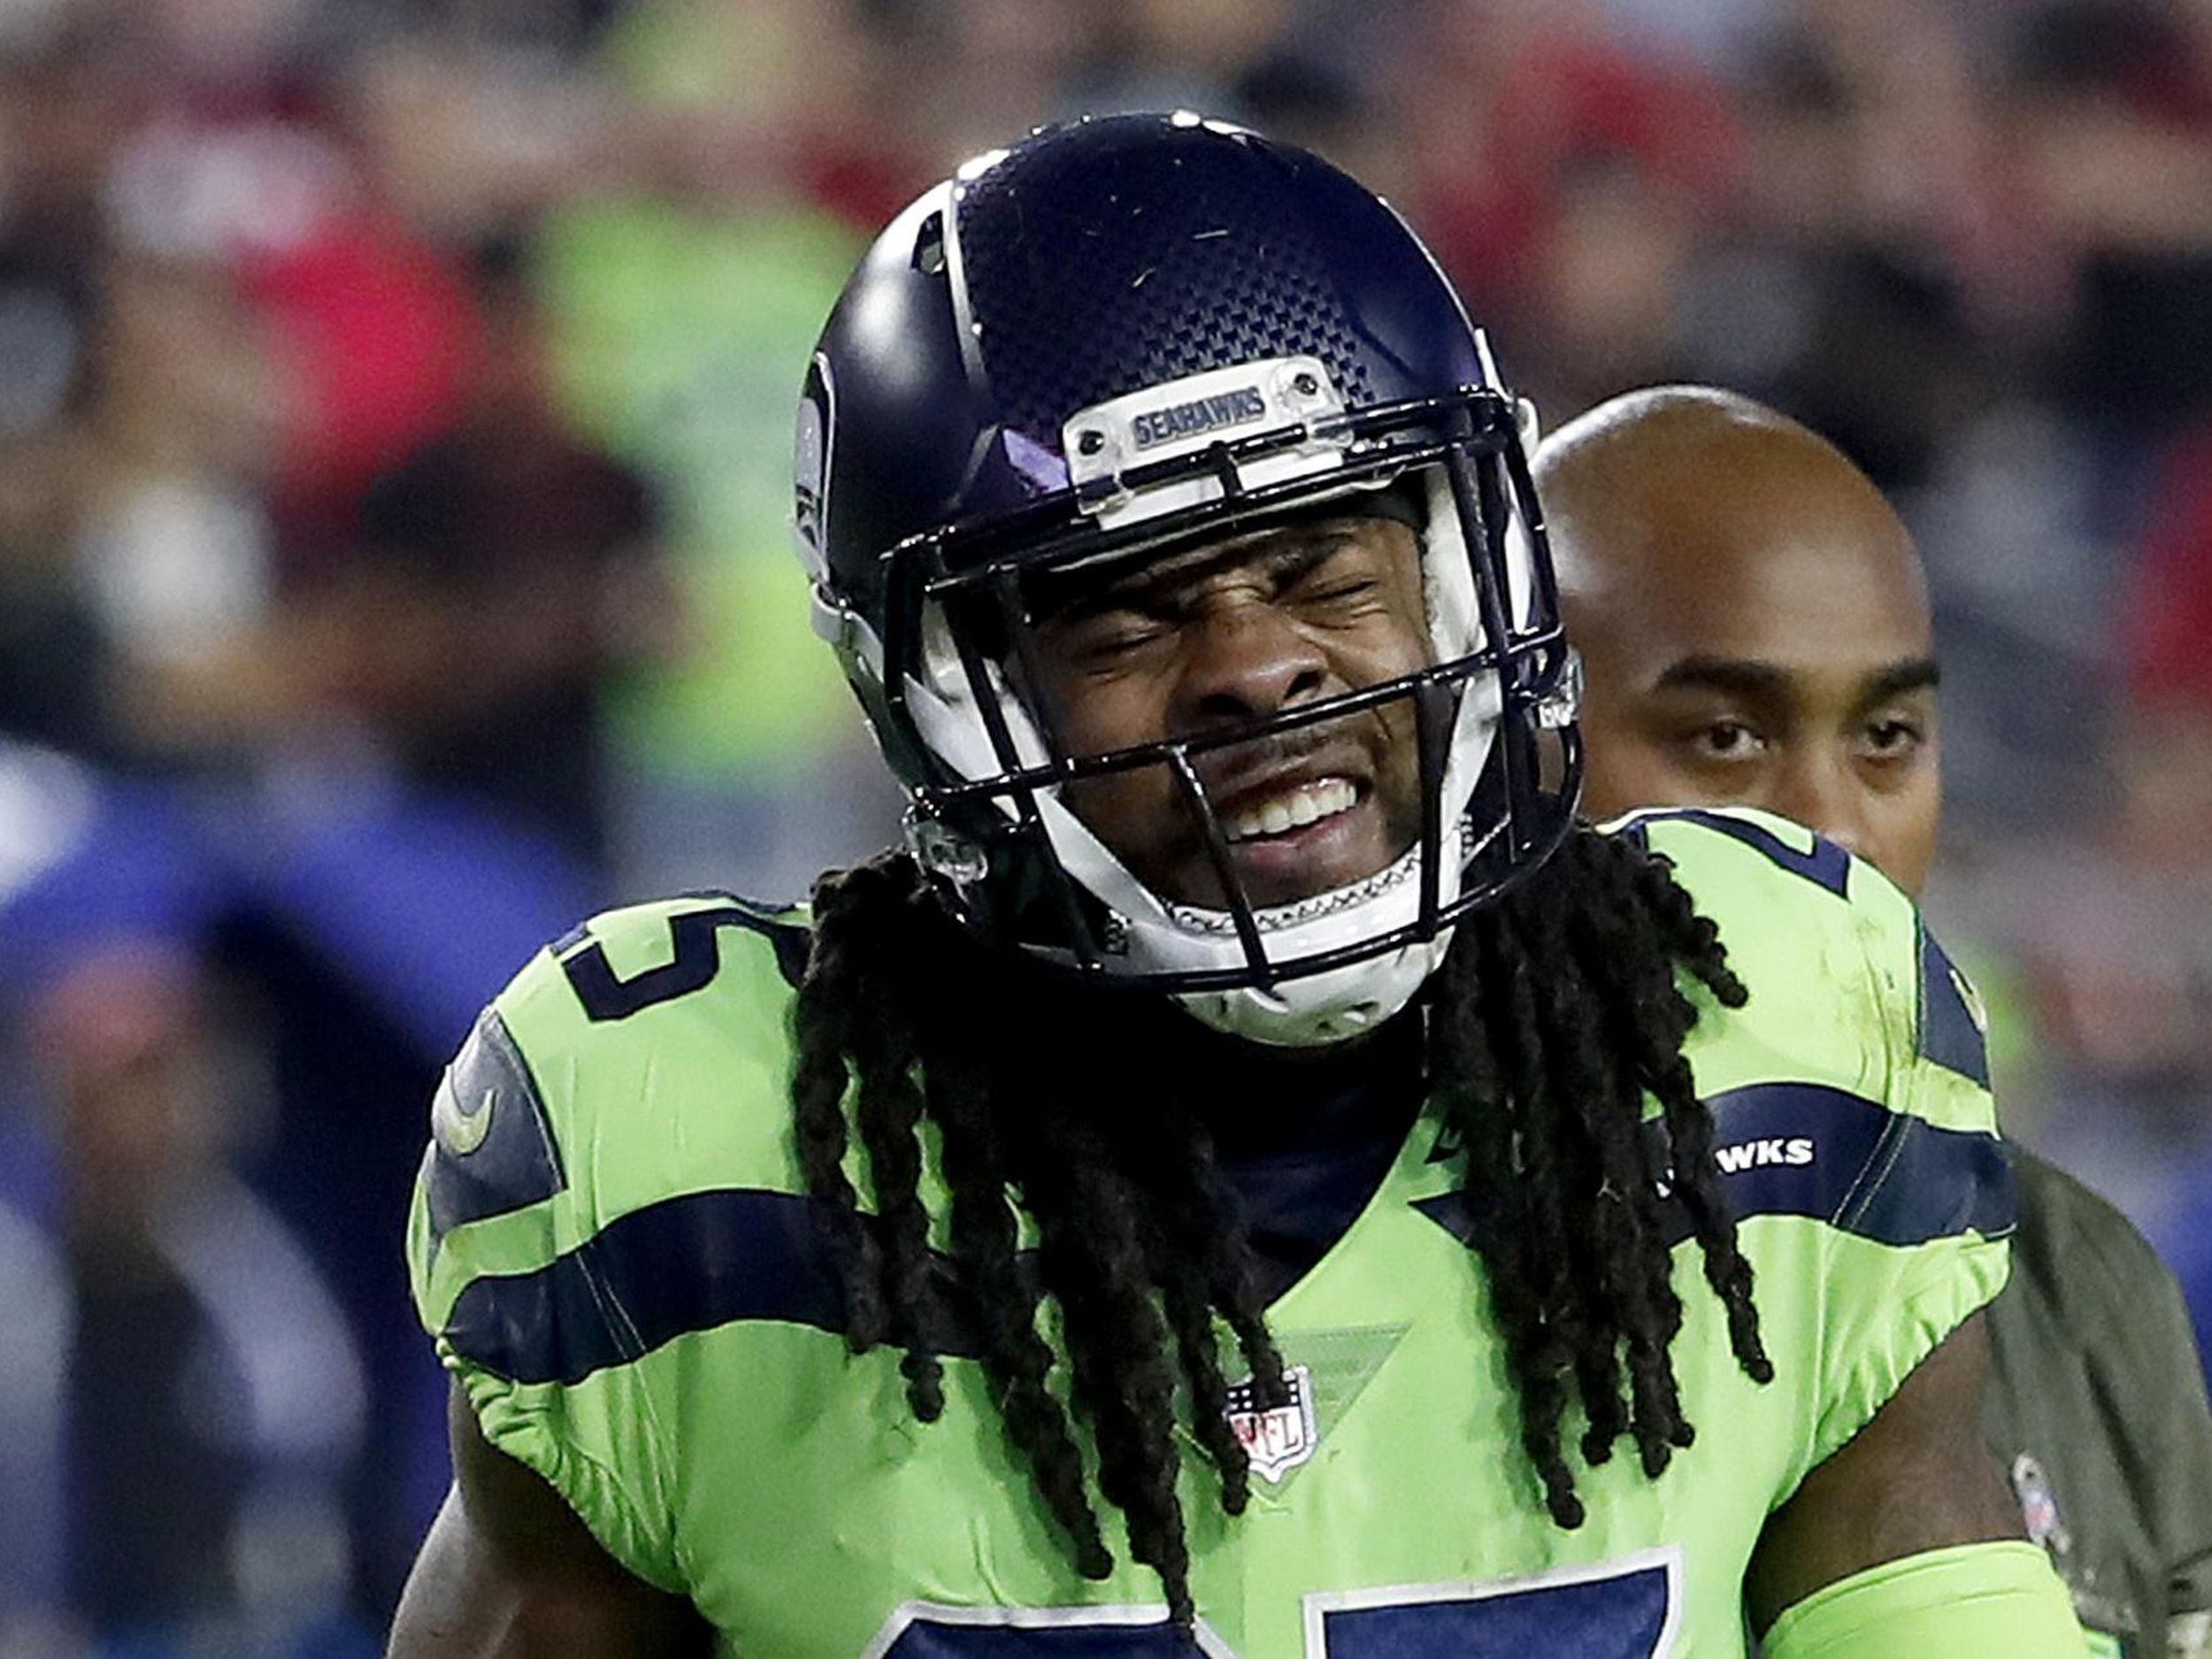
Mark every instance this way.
x=459 y=1132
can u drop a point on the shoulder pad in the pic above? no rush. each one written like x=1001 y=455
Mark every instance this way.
x=1845 y=977
x=1950 y=1024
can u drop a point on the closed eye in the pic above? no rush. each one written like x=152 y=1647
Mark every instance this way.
x=1109 y=637
x=1343 y=579
x=1345 y=592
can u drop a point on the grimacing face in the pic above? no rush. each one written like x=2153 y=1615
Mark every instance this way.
x=1211 y=639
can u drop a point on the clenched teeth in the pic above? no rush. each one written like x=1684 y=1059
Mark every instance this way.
x=1294 y=807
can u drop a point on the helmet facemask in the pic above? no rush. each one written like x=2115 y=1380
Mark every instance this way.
x=994 y=813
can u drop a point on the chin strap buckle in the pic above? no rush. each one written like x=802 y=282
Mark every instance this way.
x=943 y=851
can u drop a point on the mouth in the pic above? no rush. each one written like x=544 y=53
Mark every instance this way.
x=1299 y=815
x=1298 y=834
x=1279 y=813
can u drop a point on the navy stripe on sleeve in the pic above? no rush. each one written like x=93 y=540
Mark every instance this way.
x=687 y=1263
x=1807 y=1149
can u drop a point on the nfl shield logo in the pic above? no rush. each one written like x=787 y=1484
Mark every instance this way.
x=1277 y=1440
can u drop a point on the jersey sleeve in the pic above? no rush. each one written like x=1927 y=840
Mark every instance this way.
x=565 y=1131
x=1854 y=1124
x=1996 y=1600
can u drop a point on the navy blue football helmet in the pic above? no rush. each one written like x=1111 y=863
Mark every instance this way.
x=1124 y=336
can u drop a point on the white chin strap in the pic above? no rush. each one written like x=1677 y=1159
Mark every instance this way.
x=1323 y=1008
x=1160 y=936
x=1341 y=1002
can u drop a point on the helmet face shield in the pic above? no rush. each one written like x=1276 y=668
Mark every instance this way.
x=1119 y=347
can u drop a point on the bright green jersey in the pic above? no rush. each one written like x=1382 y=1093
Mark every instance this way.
x=611 y=1243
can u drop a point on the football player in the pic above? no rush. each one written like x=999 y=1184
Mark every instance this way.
x=1755 y=629
x=1255 y=1174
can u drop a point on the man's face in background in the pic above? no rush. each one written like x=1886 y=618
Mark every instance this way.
x=1753 y=624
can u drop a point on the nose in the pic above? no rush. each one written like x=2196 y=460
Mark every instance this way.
x=1245 y=659
x=1820 y=791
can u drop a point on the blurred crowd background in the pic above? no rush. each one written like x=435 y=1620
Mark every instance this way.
x=394 y=412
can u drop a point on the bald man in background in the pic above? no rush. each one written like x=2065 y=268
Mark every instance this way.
x=1755 y=629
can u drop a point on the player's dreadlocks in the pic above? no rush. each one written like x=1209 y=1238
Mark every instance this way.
x=1558 y=1011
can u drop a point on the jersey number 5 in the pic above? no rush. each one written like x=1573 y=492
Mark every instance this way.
x=694 y=958
x=1620 y=1609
